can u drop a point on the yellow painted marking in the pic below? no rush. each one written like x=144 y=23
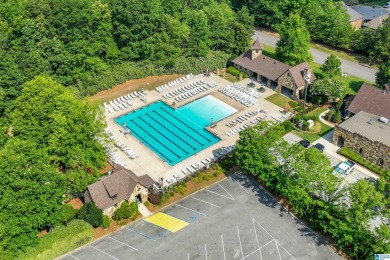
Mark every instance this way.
x=167 y=222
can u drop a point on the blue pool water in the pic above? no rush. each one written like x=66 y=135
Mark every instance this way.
x=201 y=111
x=175 y=135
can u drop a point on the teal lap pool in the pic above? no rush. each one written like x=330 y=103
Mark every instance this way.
x=175 y=135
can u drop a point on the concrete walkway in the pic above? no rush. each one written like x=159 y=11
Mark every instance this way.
x=143 y=210
x=322 y=119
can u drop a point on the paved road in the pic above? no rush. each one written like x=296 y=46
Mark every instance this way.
x=347 y=66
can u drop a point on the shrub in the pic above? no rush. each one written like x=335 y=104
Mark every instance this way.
x=337 y=117
x=91 y=214
x=288 y=126
x=67 y=213
x=330 y=114
x=305 y=126
x=60 y=240
x=123 y=212
x=233 y=71
x=360 y=160
x=106 y=221
x=339 y=104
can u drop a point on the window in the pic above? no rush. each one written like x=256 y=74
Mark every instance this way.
x=361 y=150
x=380 y=161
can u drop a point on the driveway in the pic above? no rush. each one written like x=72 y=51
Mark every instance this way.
x=349 y=67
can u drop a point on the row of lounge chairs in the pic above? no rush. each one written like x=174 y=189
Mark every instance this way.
x=183 y=89
x=194 y=92
x=250 y=91
x=239 y=95
x=237 y=130
x=174 y=83
x=124 y=102
x=129 y=153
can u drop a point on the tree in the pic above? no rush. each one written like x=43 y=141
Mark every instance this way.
x=31 y=194
x=331 y=89
x=91 y=214
x=294 y=44
x=331 y=67
x=48 y=115
x=383 y=74
x=364 y=201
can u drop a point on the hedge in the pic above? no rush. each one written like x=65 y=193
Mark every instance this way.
x=360 y=160
x=61 y=240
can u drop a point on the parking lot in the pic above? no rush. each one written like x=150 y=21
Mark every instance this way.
x=233 y=219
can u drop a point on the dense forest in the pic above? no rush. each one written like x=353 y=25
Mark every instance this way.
x=55 y=53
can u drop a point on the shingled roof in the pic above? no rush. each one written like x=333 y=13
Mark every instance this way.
x=263 y=65
x=371 y=100
x=353 y=15
x=297 y=73
x=257 y=45
x=116 y=187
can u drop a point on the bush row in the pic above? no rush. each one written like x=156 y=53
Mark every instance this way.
x=360 y=160
x=118 y=74
x=236 y=72
x=61 y=240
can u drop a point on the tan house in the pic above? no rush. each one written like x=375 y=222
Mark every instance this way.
x=355 y=18
x=122 y=185
x=273 y=73
x=367 y=135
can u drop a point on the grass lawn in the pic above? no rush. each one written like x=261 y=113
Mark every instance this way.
x=230 y=77
x=278 y=100
x=352 y=83
x=314 y=136
x=341 y=54
x=380 y=2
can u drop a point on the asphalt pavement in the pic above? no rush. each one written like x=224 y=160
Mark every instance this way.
x=349 y=67
x=232 y=219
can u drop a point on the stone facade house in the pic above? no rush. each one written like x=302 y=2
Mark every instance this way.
x=273 y=73
x=366 y=135
x=122 y=185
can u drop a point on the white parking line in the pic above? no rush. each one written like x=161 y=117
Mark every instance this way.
x=280 y=257
x=257 y=239
x=285 y=250
x=263 y=228
x=205 y=249
x=123 y=243
x=241 y=186
x=223 y=249
x=104 y=252
x=227 y=192
x=200 y=213
x=74 y=257
x=220 y=195
x=266 y=244
x=239 y=239
x=206 y=202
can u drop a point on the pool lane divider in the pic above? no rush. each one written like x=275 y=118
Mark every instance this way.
x=181 y=129
x=158 y=141
x=146 y=142
x=185 y=124
x=163 y=126
x=174 y=143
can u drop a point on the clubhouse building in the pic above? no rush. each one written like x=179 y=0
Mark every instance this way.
x=275 y=74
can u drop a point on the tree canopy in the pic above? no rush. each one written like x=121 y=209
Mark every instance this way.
x=331 y=66
x=294 y=44
x=330 y=89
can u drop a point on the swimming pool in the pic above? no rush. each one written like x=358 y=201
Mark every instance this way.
x=172 y=135
x=205 y=109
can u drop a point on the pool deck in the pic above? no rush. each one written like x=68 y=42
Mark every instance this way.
x=150 y=163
